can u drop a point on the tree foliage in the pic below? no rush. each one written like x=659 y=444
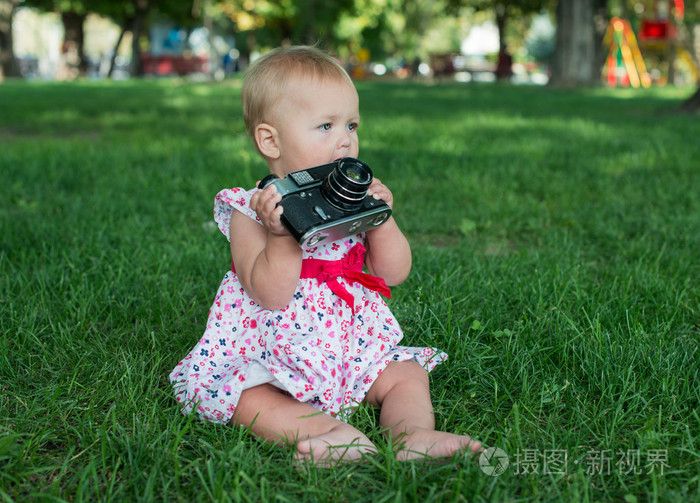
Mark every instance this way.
x=504 y=11
x=277 y=22
x=383 y=27
x=131 y=15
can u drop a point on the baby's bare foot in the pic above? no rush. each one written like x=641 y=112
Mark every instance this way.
x=343 y=443
x=435 y=444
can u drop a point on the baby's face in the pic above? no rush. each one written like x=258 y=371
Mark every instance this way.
x=317 y=123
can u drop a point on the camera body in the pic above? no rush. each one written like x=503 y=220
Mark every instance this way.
x=328 y=202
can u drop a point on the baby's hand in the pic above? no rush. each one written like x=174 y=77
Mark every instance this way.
x=264 y=203
x=378 y=190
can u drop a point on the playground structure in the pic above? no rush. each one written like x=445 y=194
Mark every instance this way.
x=663 y=39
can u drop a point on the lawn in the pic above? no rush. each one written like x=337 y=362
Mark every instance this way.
x=555 y=237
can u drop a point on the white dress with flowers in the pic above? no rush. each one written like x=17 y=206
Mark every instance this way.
x=319 y=348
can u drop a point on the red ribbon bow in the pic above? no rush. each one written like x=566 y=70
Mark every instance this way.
x=350 y=268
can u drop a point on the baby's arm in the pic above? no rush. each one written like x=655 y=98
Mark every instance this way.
x=267 y=258
x=388 y=252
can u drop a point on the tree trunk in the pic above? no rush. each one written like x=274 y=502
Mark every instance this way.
x=141 y=9
x=74 y=44
x=504 y=64
x=575 y=54
x=692 y=104
x=113 y=59
x=601 y=17
x=8 y=64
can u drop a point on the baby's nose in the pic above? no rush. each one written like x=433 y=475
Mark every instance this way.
x=345 y=140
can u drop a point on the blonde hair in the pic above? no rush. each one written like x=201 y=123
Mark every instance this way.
x=266 y=80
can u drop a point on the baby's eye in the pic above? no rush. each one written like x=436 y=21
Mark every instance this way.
x=352 y=126
x=325 y=127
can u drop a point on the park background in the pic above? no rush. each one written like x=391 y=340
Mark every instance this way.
x=554 y=227
x=625 y=42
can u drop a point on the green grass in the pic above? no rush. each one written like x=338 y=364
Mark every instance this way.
x=555 y=237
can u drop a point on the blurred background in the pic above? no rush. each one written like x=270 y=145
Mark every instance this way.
x=578 y=42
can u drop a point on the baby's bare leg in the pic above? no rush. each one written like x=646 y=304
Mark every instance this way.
x=402 y=391
x=275 y=416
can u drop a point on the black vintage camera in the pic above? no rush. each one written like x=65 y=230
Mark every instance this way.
x=328 y=201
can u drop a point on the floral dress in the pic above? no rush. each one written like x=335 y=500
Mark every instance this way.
x=325 y=348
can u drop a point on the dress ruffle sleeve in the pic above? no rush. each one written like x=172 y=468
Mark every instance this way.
x=225 y=202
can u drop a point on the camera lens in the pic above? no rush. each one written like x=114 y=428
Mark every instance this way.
x=346 y=186
x=354 y=174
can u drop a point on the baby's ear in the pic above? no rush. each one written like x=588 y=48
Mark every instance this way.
x=266 y=140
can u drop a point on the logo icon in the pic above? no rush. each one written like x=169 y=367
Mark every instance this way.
x=493 y=461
